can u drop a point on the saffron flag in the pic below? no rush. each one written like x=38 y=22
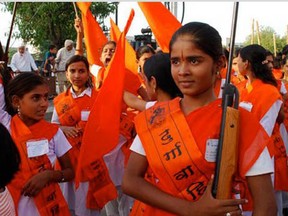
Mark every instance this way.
x=101 y=133
x=132 y=79
x=93 y=34
x=161 y=21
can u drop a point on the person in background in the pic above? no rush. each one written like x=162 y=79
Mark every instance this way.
x=62 y=57
x=49 y=60
x=22 y=61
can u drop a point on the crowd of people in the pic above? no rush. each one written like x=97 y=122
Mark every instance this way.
x=164 y=161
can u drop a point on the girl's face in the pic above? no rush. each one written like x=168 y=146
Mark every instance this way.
x=107 y=54
x=193 y=70
x=141 y=62
x=33 y=105
x=78 y=75
x=242 y=66
x=150 y=88
x=285 y=67
x=235 y=64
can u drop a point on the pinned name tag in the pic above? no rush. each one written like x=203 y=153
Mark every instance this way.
x=85 y=115
x=211 y=150
x=37 y=147
x=246 y=105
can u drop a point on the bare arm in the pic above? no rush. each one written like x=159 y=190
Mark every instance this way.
x=263 y=195
x=80 y=33
x=136 y=186
x=133 y=101
x=37 y=182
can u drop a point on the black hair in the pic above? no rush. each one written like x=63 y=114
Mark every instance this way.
x=78 y=58
x=21 y=85
x=9 y=157
x=256 y=56
x=204 y=36
x=159 y=67
x=52 y=46
x=142 y=50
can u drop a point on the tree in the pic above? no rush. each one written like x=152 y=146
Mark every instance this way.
x=44 y=23
x=266 y=39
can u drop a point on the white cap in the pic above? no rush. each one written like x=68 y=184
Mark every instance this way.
x=68 y=43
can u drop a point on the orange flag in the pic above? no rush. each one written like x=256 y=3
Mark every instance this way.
x=161 y=21
x=93 y=34
x=102 y=129
x=130 y=55
x=132 y=79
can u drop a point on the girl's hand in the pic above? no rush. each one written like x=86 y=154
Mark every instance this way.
x=71 y=132
x=36 y=183
x=78 y=25
x=208 y=205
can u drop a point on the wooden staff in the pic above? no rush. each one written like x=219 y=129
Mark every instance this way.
x=252 y=35
x=5 y=57
x=75 y=9
x=258 y=33
x=274 y=43
x=227 y=151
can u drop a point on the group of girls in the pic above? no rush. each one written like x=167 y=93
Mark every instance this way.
x=172 y=162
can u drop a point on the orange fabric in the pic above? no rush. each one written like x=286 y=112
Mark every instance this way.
x=69 y=113
x=132 y=79
x=286 y=109
x=101 y=134
x=94 y=36
x=281 y=161
x=177 y=158
x=49 y=201
x=161 y=21
x=278 y=74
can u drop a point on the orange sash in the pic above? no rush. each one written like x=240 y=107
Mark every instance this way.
x=177 y=158
x=69 y=113
x=49 y=201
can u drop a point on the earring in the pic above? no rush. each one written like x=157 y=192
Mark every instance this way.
x=18 y=111
x=139 y=69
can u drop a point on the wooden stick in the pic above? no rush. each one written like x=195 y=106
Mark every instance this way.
x=75 y=9
x=252 y=35
x=274 y=43
x=258 y=33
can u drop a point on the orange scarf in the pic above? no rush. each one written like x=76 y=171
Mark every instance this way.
x=49 y=201
x=69 y=112
x=177 y=158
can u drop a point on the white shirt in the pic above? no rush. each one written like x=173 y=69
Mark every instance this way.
x=23 y=62
x=62 y=56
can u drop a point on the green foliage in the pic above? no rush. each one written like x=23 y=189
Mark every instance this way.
x=266 y=39
x=45 y=23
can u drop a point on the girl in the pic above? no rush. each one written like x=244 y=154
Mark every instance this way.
x=176 y=138
x=158 y=82
x=71 y=112
x=262 y=98
x=35 y=188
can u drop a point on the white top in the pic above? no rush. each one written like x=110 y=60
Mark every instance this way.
x=55 y=117
x=62 y=56
x=58 y=146
x=23 y=62
x=7 y=207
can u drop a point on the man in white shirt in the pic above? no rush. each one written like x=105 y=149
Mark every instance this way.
x=63 y=55
x=22 y=61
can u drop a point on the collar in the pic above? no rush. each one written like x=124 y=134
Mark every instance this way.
x=87 y=92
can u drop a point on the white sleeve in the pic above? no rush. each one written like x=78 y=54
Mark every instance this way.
x=269 y=119
x=13 y=63
x=5 y=118
x=137 y=146
x=94 y=69
x=55 y=118
x=61 y=143
x=32 y=62
x=263 y=165
x=283 y=89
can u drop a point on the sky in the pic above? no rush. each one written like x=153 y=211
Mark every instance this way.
x=216 y=14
